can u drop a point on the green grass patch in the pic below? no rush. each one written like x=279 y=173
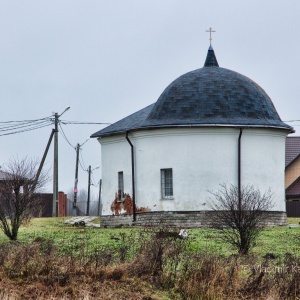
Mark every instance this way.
x=293 y=221
x=76 y=240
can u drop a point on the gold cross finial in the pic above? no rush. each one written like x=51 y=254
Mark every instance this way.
x=210 y=31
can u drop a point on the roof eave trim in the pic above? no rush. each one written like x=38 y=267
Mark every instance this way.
x=291 y=130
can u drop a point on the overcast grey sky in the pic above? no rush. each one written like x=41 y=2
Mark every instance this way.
x=108 y=59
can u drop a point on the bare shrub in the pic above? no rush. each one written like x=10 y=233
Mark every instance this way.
x=240 y=214
x=103 y=257
x=17 y=199
x=286 y=278
x=38 y=271
x=207 y=276
x=159 y=256
x=28 y=261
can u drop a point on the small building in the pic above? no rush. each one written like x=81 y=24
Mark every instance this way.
x=208 y=127
x=292 y=176
x=46 y=208
x=44 y=199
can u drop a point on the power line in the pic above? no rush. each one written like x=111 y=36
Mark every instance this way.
x=14 y=127
x=64 y=136
x=83 y=123
x=84 y=142
x=93 y=181
x=24 y=130
x=18 y=125
x=23 y=125
x=5 y=122
x=81 y=162
x=67 y=140
x=291 y=121
x=82 y=167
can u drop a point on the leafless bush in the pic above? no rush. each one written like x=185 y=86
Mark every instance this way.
x=159 y=256
x=240 y=214
x=17 y=198
x=285 y=278
x=208 y=276
x=28 y=261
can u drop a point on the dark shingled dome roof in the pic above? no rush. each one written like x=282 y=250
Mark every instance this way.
x=210 y=96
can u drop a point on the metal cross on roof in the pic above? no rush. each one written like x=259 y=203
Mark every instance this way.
x=210 y=31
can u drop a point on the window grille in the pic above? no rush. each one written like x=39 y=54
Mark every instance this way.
x=166 y=183
x=120 y=186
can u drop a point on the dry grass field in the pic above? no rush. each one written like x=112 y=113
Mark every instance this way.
x=53 y=261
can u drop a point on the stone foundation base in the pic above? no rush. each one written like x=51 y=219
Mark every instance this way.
x=191 y=219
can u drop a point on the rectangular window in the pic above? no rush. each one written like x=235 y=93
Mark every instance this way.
x=120 y=186
x=166 y=183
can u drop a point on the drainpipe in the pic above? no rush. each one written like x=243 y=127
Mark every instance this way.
x=132 y=173
x=239 y=170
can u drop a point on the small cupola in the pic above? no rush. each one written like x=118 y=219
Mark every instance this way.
x=211 y=60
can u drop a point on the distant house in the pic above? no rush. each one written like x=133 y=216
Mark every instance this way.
x=3 y=177
x=47 y=207
x=292 y=176
x=46 y=199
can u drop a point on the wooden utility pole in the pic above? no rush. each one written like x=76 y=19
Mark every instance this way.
x=55 y=167
x=43 y=160
x=89 y=192
x=76 y=176
x=55 y=164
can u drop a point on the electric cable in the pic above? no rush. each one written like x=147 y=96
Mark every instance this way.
x=84 y=142
x=22 y=125
x=83 y=123
x=24 y=130
x=93 y=180
x=46 y=118
x=15 y=127
x=83 y=164
x=65 y=137
x=83 y=169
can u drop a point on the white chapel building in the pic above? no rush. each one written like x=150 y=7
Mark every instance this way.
x=208 y=127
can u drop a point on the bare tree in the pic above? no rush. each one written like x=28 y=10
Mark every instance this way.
x=240 y=214
x=17 y=199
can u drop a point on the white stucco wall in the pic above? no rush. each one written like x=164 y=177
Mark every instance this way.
x=201 y=159
x=263 y=162
x=115 y=157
